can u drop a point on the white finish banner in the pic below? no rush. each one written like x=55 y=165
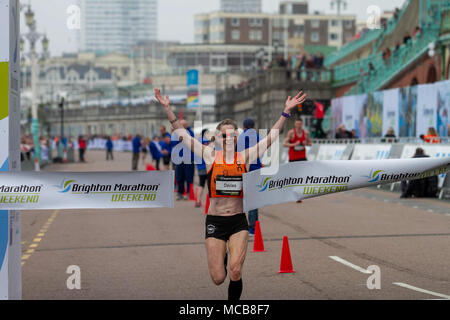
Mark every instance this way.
x=90 y=190
x=302 y=180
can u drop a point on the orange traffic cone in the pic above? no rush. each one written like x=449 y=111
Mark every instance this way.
x=191 y=192
x=258 y=244
x=286 y=261
x=37 y=167
x=150 y=167
x=207 y=204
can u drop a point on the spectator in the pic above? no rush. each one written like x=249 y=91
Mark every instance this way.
x=155 y=151
x=184 y=171
x=406 y=38
x=431 y=136
x=166 y=151
x=343 y=133
x=309 y=65
x=144 y=149
x=109 y=149
x=163 y=131
x=81 y=148
x=246 y=140
x=390 y=133
x=372 y=70
x=396 y=13
x=300 y=65
x=136 y=142
x=426 y=187
x=417 y=32
x=201 y=169
x=397 y=46
x=354 y=134
x=319 y=115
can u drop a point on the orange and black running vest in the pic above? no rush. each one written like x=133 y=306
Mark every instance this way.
x=225 y=180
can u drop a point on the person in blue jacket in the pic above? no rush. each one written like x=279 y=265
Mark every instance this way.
x=201 y=169
x=136 y=142
x=109 y=149
x=155 y=151
x=246 y=140
x=166 y=151
x=184 y=166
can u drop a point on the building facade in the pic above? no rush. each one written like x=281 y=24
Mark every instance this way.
x=274 y=29
x=115 y=26
x=249 y=6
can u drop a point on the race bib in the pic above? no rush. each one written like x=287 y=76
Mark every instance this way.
x=228 y=185
x=299 y=148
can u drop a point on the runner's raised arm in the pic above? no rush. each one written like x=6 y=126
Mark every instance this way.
x=258 y=150
x=199 y=149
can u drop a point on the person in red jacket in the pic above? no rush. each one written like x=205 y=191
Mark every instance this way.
x=319 y=115
x=81 y=148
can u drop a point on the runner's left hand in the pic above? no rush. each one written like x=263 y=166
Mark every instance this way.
x=291 y=103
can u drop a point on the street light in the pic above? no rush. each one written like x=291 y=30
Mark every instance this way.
x=33 y=37
x=61 y=107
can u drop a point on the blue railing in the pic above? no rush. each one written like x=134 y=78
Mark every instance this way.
x=386 y=70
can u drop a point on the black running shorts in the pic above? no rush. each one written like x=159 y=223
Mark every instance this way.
x=223 y=228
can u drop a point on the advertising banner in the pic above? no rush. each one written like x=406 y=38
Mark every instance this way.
x=408 y=112
x=90 y=190
x=426 y=108
x=443 y=109
x=391 y=99
x=297 y=181
x=373 y=118
x=349 y=114
x=361 y=104
x=336 y=107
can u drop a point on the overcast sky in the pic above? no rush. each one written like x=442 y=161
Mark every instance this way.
x=176 y=17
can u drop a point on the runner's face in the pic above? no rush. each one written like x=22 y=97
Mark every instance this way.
x=299 y=125
x=228 y=136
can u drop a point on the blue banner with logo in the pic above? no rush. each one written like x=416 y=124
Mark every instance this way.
x=193 y=98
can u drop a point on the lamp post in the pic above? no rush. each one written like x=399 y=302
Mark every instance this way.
x=61 y=109
x=33 y=37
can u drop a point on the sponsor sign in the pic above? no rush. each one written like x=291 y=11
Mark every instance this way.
x=97 y=190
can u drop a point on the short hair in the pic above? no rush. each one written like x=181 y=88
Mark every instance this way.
x=249 y=123
x=228 y=122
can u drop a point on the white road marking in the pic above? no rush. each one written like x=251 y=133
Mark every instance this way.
x=351 y=265
x=407 y=286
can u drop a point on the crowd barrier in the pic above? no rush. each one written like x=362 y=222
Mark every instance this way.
x=100 y=144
